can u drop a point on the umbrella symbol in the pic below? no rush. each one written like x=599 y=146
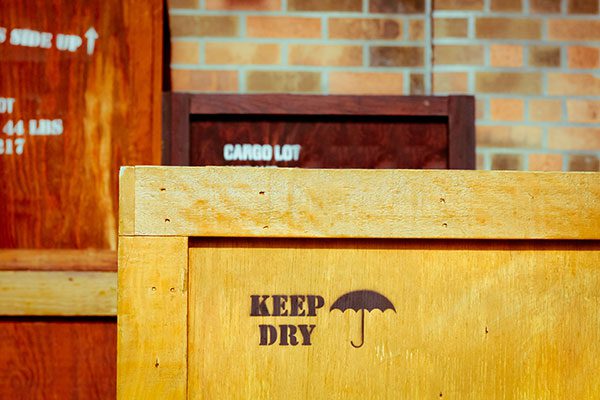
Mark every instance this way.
x=362 y=300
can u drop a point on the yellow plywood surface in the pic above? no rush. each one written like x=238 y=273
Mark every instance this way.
x=152 y=318
x=61 y=293
x=213 y=201
x=472 y=320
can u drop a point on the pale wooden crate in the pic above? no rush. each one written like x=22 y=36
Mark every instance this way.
x=494 y=278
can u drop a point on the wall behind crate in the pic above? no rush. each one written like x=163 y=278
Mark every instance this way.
x=532 y=64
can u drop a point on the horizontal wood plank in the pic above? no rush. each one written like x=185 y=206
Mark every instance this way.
x=66 y=293
x=265 y=202
x=290 y=104
x=57 y=260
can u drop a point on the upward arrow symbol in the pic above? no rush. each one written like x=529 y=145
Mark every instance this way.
x=91 y=35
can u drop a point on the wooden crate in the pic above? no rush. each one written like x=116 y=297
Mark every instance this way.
x=351 y=284
x=316 y=131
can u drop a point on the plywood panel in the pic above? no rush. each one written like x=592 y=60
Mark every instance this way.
x=83 y=80
x=292 y=202
x=471 y=320
x=58 y=358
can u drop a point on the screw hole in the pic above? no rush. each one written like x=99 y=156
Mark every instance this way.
x=172 y=289
x=442 y=200
x=445 y=225
x=154 y=288
x=156 y=364
x=163 y=189
x=261 y=192
x=167 y=220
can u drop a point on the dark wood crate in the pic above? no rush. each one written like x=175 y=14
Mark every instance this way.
x=313 y=131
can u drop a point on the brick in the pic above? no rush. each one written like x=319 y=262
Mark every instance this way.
x=506 y=55
x=563 y=29
x=362 y=28
x=508 y=28
x=573 y=84
x=507 y=162
x=479 y=109
x=544 y=56
x=208 y=26
x=506 y=5
x=508 y=82
x=574 y=138
x=417 y=84
x=545 y=162
x=366 y=83
x=587 y=111
x=204 y=81
x=544 y=6
x=506 y=109
x=283 y=27
x=397 y=6
x=185 y=52
x=583 y=57
x=450 y=28
x=283 y=81
x=388 y=56
x=458 y=5
x=241 y=53
x=479 y=161
x=584 y=163
x=582 y=6
x=450 y=82
x=325 y=55
x=243 y=5
x=416 y=30
x=509 y=136
x=324 y=5
x=190 y=4
x=545 y=110
x=457 y=55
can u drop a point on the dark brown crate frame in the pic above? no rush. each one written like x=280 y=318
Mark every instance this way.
x=180 y=108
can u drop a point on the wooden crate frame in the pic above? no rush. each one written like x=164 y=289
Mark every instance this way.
x=162 y=208
x=180 y=108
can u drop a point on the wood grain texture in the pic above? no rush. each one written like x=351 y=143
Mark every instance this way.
x=64 y=293
x=471 y=320
x=461 y=132
x=152 y=318
x=109 y=104
x=289 y=104
x=326 y=141
x=126 y=201
x=222 y=201
x=58 y=260
x=58 y=358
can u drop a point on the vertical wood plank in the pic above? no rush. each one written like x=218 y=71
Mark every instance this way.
x=127 y=201
x=152 y=318
x=461 y=132
x=180 y=129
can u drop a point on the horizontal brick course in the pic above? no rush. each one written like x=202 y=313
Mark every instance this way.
x=243 y=5
x=365 y=28
x=583 y=57
x=582 y=6
x=203 y=26
x=573 y=84
x=389 y=56
x=587 y=111
x=450 y=82
x=283 y=27
x=584 y=163
x=416 y=30
x=189 y=4
x=564 y=29
x=325 y=55
x=397 y=6
x=574 y=138
x=545 y=162
x=545 y=110
x=450 y=28
x=544 y=56
x=508 y=82
x=507 y=162
x=185 y=52
x=507 y=28
x=324 y=5
x=506 y=109
x=283 y=81
x=509 y=136
x=506 y=5
x=458 y=5
x=457 y=54
x=204 y=81
x=506 y=55
x=544 y=6
x=366 y=83
x=242 y=53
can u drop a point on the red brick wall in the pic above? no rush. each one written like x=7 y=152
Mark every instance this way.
x=532 y=64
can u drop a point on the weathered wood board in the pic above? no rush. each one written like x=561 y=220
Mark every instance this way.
x=365 y=296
